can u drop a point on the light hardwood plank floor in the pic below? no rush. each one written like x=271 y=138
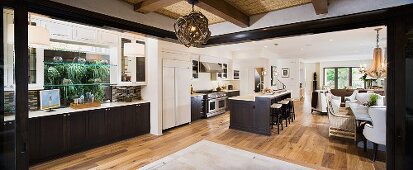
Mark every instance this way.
x=305 y=141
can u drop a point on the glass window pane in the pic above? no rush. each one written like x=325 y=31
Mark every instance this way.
x=8 y=106
x=343 y=78
x=329 y=77
x=357 y=82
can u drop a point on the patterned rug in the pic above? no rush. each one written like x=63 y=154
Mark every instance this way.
x=209 y=155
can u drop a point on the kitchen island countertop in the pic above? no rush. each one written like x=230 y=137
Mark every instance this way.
x=251 y=97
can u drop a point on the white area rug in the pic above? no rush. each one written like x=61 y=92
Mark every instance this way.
x=209 y=155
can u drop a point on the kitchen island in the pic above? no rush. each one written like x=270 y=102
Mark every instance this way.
x=252 y=113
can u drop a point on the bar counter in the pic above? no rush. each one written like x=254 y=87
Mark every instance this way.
x=252 y=113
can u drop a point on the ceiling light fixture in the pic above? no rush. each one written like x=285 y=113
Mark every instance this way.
x=378 y=67
x=192 y=29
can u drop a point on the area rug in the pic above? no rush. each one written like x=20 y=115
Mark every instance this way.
x=209 y=155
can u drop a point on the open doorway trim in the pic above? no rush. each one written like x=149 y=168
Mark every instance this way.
x=394 y=18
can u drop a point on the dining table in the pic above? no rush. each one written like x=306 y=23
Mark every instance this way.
x=361 y=112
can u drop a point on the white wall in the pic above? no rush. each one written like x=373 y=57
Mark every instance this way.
x=247 y=68
x=153 y=91
x=293 y=81
x=310 y=68
x=350 y=63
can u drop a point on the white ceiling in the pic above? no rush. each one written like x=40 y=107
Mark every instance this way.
x=355 y=44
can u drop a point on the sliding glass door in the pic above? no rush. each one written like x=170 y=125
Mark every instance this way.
x=8 y=106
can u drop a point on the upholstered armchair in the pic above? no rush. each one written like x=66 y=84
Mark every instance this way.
x=342 y=124
x=352 y=97
x=376 y=132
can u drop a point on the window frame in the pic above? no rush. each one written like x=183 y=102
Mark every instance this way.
x=350 y=69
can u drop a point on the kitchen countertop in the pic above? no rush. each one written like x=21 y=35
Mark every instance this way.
x=251 y=97
x=229 y=90
x=42 y=113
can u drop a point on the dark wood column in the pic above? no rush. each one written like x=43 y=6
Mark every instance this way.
x=21 y=80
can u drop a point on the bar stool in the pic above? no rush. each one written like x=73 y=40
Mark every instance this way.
x=291 y=108
x=276 y=112
x=285 y=111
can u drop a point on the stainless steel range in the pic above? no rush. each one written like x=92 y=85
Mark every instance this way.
x=215 y=102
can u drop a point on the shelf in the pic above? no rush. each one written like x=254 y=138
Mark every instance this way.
x=88 y=64
x=94 y=84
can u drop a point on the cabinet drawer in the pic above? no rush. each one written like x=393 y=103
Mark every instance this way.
x=59 y=31
x=84 y=34
x=107 y=38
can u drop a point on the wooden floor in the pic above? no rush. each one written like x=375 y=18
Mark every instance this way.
x=305 y=142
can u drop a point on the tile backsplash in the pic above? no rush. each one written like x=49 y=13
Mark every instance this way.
x=118 y=92
x=33 y=99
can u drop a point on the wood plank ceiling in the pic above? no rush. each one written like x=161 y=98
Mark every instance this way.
x=234 y=11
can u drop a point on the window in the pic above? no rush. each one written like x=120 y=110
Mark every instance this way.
x=343 y=77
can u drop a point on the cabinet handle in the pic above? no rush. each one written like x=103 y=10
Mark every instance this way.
x=68 y=114
x=109 y=109
x=64 y=115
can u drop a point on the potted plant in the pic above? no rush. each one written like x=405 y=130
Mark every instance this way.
x=373 y=100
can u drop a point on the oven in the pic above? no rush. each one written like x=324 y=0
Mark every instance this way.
x=216 y=103
x=222 y=103
x=212 y=105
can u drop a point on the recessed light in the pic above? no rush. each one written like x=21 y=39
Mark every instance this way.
x=265 y=46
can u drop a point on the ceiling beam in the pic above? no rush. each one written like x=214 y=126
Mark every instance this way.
x=226 y=11
x=148 y=6
x=320 y=6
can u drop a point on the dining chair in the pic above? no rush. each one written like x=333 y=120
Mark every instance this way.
x=376 y=132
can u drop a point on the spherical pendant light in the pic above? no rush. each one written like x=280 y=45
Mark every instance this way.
x=192 y=29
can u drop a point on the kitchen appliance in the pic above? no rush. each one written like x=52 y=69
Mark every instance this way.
x=215 y=102
x=176 y=99
x=230 y=87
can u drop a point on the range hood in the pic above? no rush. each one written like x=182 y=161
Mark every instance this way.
x=210 y=68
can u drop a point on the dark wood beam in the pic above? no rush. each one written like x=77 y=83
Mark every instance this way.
x=320 y=6
x=226 y=11
x=147 y=6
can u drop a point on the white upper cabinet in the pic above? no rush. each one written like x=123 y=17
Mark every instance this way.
x=58 y=30
x=85 y=34
x=107 y=38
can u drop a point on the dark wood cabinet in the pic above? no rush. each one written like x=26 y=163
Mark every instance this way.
x=96 y=127
x=114 y=123
x=130 y=121
x=52 y=136
x=34 y=140
x=196 y=107
x=76 y=130
x=136 y=120
x=144 y=121
x=233 y=93
x=57 y=135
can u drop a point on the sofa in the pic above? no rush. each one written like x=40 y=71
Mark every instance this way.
x=363 y=98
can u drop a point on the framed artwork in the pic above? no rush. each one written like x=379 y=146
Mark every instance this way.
x=285 y=72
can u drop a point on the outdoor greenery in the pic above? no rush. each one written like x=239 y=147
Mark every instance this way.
x=75 y=79
x=342 y=76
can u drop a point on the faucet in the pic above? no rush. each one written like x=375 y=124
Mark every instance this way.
x=261 y=86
